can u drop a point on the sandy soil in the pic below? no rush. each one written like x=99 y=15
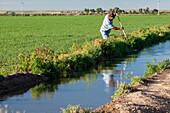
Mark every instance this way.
x=150 y=97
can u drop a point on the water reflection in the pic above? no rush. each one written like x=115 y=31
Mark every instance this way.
x=113 y=78
x=111 y=71
x=8 y=109
x=48 y=88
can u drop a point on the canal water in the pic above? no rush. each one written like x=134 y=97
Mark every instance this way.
x=91 y=89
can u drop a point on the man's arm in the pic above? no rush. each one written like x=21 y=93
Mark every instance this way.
x=116 y=28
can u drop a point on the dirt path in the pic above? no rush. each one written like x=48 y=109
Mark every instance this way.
x=150 y=97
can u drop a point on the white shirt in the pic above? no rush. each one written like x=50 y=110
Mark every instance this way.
x=107 y=24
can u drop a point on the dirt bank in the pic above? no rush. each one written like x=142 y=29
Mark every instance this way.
x=150 y=97
x=19 y=82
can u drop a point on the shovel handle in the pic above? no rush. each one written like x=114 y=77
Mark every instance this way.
x=122 y=26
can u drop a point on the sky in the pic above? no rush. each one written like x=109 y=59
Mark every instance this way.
x=81 y=4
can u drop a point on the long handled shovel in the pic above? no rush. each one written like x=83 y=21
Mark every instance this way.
x=121 y=26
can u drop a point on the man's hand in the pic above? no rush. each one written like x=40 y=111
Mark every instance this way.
x=121 y=28
x=117 y=28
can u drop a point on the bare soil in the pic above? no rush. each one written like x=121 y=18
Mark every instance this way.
x=152 y=96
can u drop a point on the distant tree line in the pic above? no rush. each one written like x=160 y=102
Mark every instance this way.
x=120 y=11
x=98 y=11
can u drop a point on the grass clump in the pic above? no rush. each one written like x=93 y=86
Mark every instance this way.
x=76 y=109
x=41 y=61
x=137 y=79
x=123 y=88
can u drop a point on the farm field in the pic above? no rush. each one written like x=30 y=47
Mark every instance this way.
x=23 y=34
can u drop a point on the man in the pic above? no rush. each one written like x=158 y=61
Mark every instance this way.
x=108 y=25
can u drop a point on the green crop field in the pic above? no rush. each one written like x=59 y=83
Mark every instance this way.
x=23 y=34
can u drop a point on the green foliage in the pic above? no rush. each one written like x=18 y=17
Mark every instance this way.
x=41 y=61
x=108 y=48
x=123 y=88
x=79 y=62
x=154 y=68
x=99 y=10
x=44 y=61
x=155 y=11
x=76 y=109
x=95 y=51
x=137 y=79
x=115 y=48
x=129 y=75
x=135 y=42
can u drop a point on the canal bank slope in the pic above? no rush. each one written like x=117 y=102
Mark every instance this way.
x=19 y=83
x=153 y=96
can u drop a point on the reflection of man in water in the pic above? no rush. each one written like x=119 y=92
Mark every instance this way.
x=108 y=77
x=111 y=82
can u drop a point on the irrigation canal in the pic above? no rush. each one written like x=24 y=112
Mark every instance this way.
x=90 y=89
